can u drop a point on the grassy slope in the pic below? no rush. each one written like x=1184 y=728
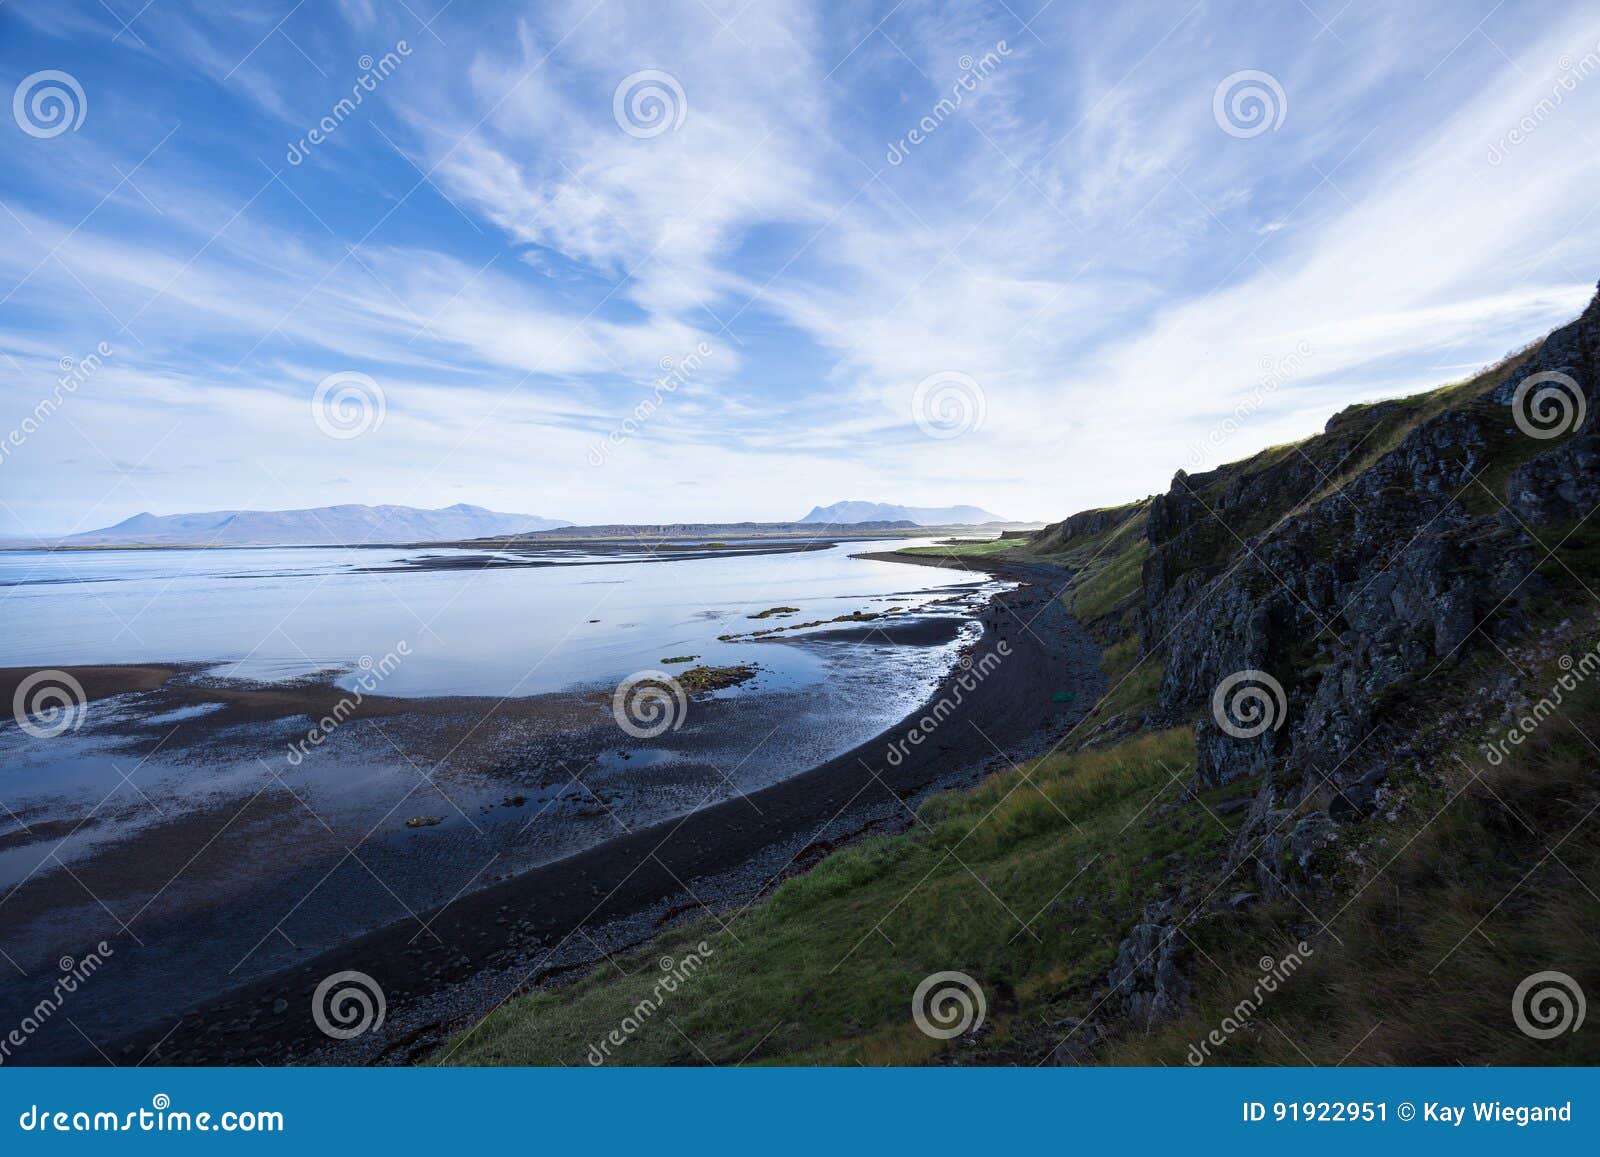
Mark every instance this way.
x=964 y=549
x=824 y=970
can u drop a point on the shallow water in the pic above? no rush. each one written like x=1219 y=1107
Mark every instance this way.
x=279 y=613
x=274 y=614
x=212 y=858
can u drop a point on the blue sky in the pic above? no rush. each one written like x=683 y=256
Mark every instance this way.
x=1104 y=267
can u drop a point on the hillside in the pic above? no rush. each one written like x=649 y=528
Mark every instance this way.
x=1348 y=745
x=316 y=526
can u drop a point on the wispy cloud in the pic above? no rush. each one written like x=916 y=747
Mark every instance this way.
x=480 y=236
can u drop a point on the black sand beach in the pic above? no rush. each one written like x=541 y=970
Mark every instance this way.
x=441 y=969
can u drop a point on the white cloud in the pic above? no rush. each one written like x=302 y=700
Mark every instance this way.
x=1080 y=237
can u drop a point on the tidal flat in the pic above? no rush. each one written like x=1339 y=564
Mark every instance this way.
x=396 y=748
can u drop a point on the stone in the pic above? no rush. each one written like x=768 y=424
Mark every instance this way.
x=1314 y=831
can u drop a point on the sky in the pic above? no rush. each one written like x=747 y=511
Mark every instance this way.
x=727 y=260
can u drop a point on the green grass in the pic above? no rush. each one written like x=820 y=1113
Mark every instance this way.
x=1107 y=567
x=1112 y=579
x=1120 y=658
x=1078 y=550
x=1399 y=417
x=1435 y=918
x=1134 y=688
x=824 y=970
x=964 y=549
x=1448 y=910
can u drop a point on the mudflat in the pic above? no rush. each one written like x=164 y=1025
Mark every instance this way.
x=597 y=842
x=443 y=969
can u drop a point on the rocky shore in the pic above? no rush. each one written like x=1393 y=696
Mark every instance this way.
x=440 y=969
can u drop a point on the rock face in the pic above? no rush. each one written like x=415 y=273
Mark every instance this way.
x=1289 y=594
x=1387 y=562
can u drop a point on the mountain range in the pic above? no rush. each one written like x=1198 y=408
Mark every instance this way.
x=343 y=525
x=853 y=511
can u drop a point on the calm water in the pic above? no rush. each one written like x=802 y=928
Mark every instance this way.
x=212 y=859
x=277 y=613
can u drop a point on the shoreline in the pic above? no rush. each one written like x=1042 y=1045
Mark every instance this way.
x=559 y=918
x=560 y=538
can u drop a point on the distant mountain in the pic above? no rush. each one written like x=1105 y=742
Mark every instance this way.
x=318 y=526
x=841 y=513
x=667 y=531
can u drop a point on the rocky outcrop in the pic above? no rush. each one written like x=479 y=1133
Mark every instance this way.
x=1150 y=975
x=1292 y=595
x=1374 y=565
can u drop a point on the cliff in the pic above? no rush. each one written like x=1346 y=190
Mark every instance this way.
x=1294 y=605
